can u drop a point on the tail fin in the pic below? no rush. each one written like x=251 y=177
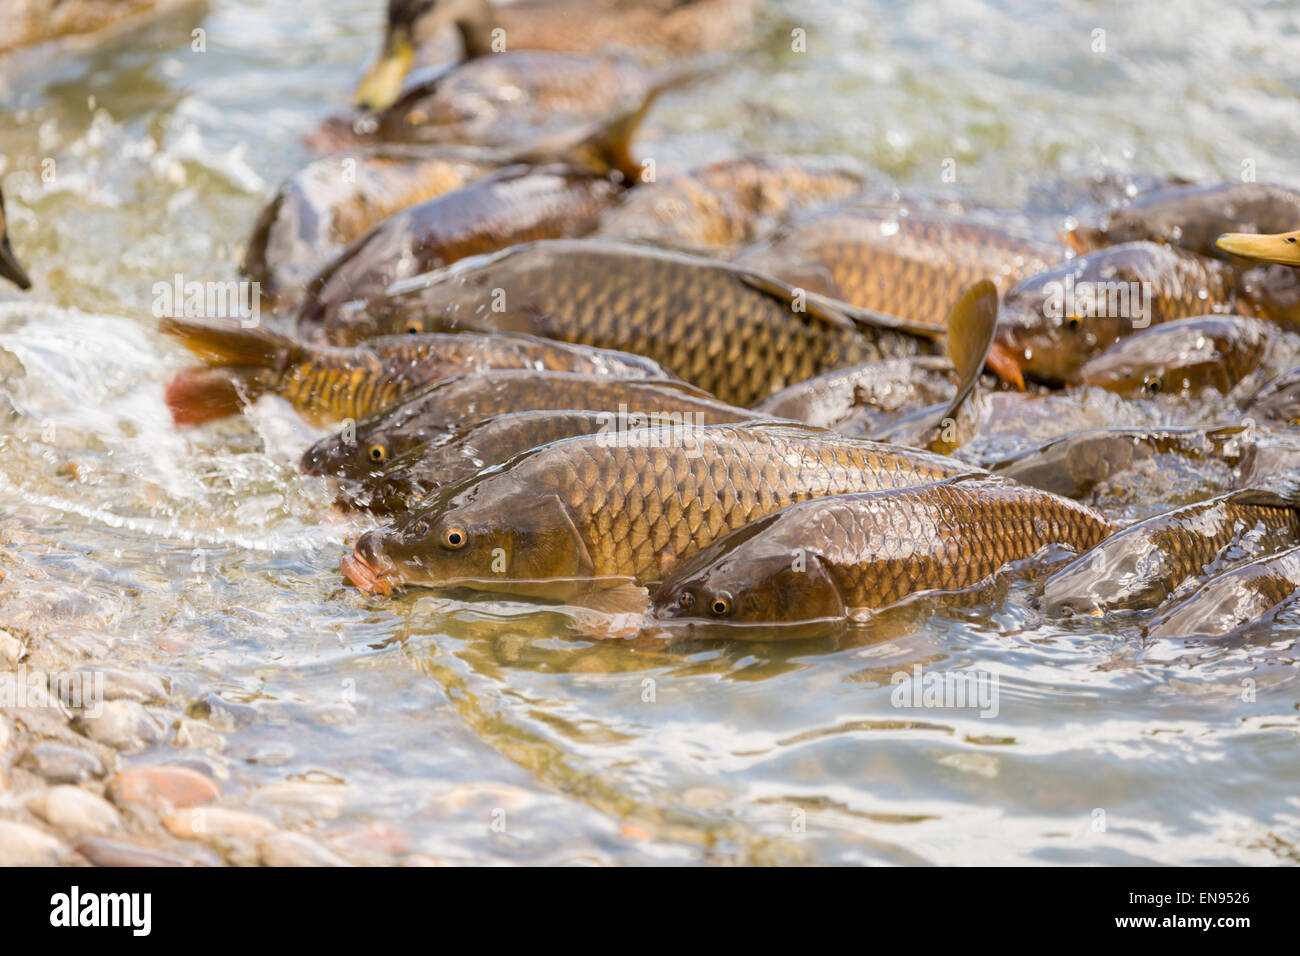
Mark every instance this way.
x=200 y=394
x=971 y=325
x=229 y=343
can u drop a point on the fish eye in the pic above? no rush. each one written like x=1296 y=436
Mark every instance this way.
x=414 y=327
x=377 y=452
x=1073 y=323
x=721 y=605
x=454 y=538
x=1152 y=385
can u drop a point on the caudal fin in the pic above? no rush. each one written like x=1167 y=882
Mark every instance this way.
x=230 y=343
x=971 y=325
x=201 y=394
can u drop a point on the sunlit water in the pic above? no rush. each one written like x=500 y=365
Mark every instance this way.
x=495 y=733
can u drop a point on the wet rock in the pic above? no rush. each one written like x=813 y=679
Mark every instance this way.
x=196 y=734
x=162 y=788
x=123 y=684
x=12 y=650
x=123 y=725
x=478 y=797
x=22 y=845
x=59 y=763
x=223 y=715
x=81 y=642
x=374 y=839
x=304 y=800
x=217 y=824
x=75 y=812
x=103 y=852
x=294 y=849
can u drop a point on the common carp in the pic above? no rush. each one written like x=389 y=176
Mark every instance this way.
x=330 y=202
x=1145 y=563
x=1277 y=400
x=437 y=412
x=595 y=520
x=1185 y=355
x=913 y=263
x=826 y=560
x=1052 y=323
x=404 y=481
x=1192 y=217
x=1076 y=464
x=326 y=383
x=732 y=332
x=9 y=267
x=1233 y=600
x=724 y=204
x=876 y=389
x=510 y=206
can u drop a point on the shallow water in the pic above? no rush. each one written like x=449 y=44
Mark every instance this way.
x=493 y=732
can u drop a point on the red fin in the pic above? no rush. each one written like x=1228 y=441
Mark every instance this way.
x=230 y=342
x=197 y=395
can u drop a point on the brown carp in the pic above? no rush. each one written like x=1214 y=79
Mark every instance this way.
x=1185 y=355
x=1192 y=217
x=911 y=263
x=589 y=518
x=330 y=384
x=437 y=412
x=1233 y=600
x=1142 y=565
x=825 y=560
x=732 y=332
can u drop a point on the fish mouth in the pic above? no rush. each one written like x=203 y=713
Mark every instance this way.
x=366 y=576
x=1283 y=247
x=1004 y=363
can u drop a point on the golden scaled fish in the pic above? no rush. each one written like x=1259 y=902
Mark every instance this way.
x=1144 y=564
x=331 y=384
x=1076 y=464
x=877 y=389
x=437 y=412
x=719 y=206
x=1192 y=217
x=9 y=267
x=1182 y=356
x=1277 y=401
x=734 y=333
x=402 y=483
x=1230 y=602
x=913 y=263
x=1052 y=323
x=596 y=518
x=824 y=561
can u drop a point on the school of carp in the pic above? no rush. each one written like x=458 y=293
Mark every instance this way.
x=754 y=399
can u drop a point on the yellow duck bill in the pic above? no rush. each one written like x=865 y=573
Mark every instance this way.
x=1283 y=247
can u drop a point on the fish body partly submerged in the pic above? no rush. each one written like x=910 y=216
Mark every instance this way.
x=913 y=264
x=1142 y=565
x=1185 y=355
x=594 y=514
x=437 y=412
x=825 y=560
x=514 y=205
x=879 y=388
x=736 y=334
x=1233 y=600
x=325 y=383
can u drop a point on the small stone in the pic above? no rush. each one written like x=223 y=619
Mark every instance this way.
x=11 y=650
x=217 y=824
x=123 y=725
x=21 y=845
x=75 y=811
x=123 y=684
x=223 y=715
x=315 y=801
x=197 y=735
x=161 y=788
x=378 y=839
x=294 y=849
x=59 y=763
x=103 y=852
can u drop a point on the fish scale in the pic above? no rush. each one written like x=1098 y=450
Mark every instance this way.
x=712 y=325
x=616 y=497
x=872 y=550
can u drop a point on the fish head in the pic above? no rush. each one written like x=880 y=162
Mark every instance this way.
x=492 y=532
x=1053 y=322
x=748 y=579
x=362 y=449
x=1182 y=356
x=1120 y=573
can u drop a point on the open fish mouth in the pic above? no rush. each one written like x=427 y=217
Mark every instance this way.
x=366 y=576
